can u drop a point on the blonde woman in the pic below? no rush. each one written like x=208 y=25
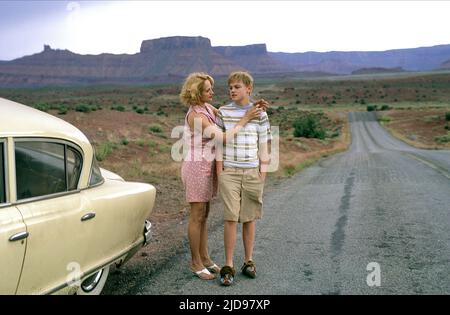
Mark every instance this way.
x=198 y=171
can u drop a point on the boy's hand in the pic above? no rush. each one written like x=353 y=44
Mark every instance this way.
x=263 y=175
x=261 y=103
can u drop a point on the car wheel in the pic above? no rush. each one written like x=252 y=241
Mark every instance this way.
x=94 y=283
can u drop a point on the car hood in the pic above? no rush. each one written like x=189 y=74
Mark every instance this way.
x=110 y=175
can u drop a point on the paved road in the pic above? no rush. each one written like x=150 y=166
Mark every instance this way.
x=380 y=204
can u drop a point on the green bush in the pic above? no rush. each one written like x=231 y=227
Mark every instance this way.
x=42 y=107
x=155 y=128
x=447 y=116
x=103 y=150
x=443 y=139
x=119 y=108
x=371 y=108
x=309 y=127
x=83 y=108
x=62 y=110
x=385 y=107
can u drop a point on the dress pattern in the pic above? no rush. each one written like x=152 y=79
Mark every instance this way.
x=198 y=169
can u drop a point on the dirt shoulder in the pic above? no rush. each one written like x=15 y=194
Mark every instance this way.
x=423 y=128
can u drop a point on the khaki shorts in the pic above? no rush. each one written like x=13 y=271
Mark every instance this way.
x=241 y=190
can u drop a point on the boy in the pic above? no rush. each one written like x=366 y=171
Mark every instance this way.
x=241 y=173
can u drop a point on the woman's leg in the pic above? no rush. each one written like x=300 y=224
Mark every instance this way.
x=204 y=254
x=197 y=219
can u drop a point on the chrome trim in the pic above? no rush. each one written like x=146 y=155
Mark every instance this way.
x=88 y=216
x=5 y=172
x=97 y=276
x=5 y=205
x=147 y=232
x=19 y=236
x=51 y=196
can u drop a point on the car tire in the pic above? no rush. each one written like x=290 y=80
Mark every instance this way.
x=94 y=283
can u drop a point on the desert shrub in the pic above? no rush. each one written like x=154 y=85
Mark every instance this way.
x=371 y=108
x=62 y=110
x=384 y=119
x=385 y=107
x=155 y=128
x=103 y=150
x=83 y=108
x=447 y=116
x=443 y=138
x=119 y=108
x=139 y=110
x=309 y=127
x=42 y=107
x=125 y=141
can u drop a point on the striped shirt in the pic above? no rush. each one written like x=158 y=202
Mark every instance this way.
x=243 y=151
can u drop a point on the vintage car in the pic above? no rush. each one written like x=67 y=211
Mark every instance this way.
x=63 y=220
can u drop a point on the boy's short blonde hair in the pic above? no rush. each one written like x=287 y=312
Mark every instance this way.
x=191 y=92
x=242 y=76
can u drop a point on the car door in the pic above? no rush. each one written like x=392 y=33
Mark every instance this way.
x=53 y=212
x=12 y=234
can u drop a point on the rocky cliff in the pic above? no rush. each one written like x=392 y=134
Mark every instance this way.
x=163 y=59
x=172 y=58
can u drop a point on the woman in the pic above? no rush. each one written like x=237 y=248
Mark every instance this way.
x=198 y=168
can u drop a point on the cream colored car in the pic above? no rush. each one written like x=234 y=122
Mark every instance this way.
x=63 y=220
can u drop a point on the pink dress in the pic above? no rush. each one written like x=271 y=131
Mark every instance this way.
x=198 y=169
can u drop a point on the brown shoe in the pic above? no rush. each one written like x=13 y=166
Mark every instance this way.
x=249 y=269
x=227 y=275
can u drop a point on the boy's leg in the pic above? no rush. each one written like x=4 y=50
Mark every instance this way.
x=248 y=237
x=229 y=241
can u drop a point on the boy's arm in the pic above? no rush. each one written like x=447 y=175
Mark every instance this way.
x=219 y=159
x=264 y=141
x=264 y=158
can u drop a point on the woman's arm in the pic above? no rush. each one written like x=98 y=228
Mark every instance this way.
x=199 y=123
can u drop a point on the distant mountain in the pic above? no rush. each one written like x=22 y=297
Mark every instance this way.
x=413 y=59
x=445 y=65
x=172 y=58
x=376 y=70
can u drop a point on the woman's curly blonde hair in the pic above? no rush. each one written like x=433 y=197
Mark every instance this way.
x=191 y=92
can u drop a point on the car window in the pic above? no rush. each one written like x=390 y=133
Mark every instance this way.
x=40 y=169
x=2 y=175
x=96 y=175
x=74 y=163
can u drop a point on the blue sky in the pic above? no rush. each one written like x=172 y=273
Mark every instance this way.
x=93 y=27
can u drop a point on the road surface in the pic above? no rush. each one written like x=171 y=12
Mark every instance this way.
x=372 y=220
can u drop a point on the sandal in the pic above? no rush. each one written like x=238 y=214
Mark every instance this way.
x=227 y=275
x=249 y=269
x=204 y=274
x=213 y=268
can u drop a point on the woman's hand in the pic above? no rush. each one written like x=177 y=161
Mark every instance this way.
x=261 y=103
x=252 y=113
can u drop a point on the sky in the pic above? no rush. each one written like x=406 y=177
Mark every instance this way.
x=94 y=27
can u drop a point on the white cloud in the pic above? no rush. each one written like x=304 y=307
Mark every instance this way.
x=289 y=26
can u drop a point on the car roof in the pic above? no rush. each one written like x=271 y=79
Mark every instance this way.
x=18 y=120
